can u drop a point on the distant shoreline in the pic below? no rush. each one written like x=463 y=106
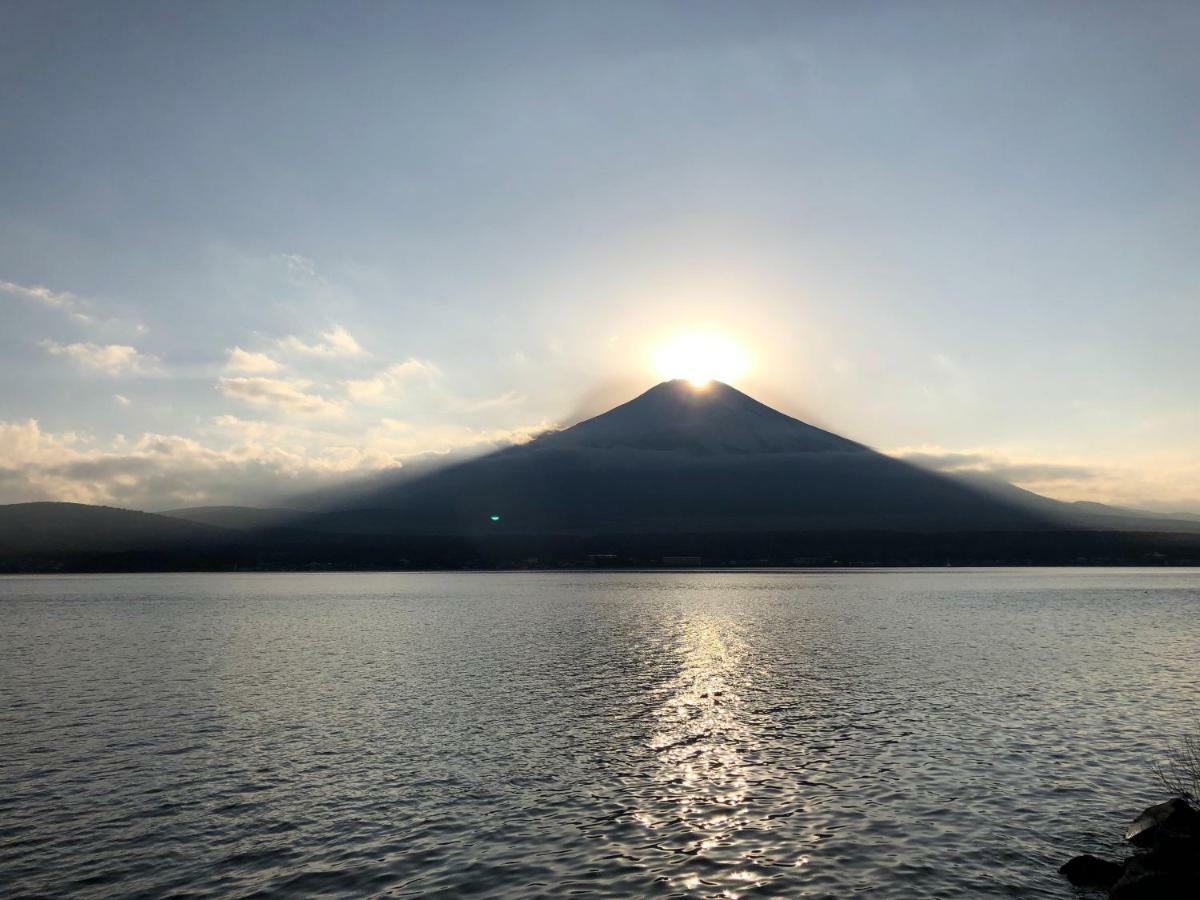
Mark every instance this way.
x=630 y=570
x=61 y=538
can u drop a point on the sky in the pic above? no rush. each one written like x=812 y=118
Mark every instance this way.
x=253 y=249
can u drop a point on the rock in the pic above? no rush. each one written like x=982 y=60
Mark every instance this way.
x=1141 y=880
x=1091 y=871
x=1176 y=820
x=1167 y=866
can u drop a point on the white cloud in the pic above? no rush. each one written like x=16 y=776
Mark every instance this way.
x=240 y=360
x=289 y=395
x=110 y=359
x=336 y=342
x=60 y=300
x=387 y=383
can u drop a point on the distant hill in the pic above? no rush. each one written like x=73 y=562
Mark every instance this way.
x=41 y=528
x=1082 y=514
x=1118 y=516
x=240 y=518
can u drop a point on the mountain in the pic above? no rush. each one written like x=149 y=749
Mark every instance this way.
x=678 y=472
x=683 y=459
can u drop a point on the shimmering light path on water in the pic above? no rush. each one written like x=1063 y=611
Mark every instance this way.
x=892 y=734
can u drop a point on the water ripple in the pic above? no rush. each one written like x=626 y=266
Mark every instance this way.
x=695 y=735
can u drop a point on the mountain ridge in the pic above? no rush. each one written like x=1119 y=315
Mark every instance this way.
x=42 y=526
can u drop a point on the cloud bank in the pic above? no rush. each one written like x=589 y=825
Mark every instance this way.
x=241 y=462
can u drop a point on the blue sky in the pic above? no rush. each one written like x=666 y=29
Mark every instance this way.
x=248 y=248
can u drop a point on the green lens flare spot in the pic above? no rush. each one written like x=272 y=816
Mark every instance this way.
x=495 y=518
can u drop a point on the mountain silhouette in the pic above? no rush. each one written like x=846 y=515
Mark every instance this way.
x=683 y=459
x=678 y=472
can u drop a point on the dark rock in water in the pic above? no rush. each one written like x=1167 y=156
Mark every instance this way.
x=1144 y=880
x=1174 y=821
x=1167 y=866
x=1091 y=871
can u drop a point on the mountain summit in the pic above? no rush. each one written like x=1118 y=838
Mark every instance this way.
x=715 y=418
x=682 y=459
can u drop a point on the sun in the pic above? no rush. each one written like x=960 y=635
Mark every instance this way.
x=701 y=358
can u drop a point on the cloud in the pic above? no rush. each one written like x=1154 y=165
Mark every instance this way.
x=1159 y=481
x=1042 y=472
x=289 y=395
x=79 y=309
x=398 y=379
x=236 y=461
x=337 y=342
x=111 y=359
x=240 y=360
x=61 y=300
x=153 y=472
x=385 y=384
x=501 y=401
x=122 y=400
x=995 y=463
x=299 y=264
x=400 y=439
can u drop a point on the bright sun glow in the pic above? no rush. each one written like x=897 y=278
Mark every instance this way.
x=701 y=358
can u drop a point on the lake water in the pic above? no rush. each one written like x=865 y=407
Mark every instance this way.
x=890 y=734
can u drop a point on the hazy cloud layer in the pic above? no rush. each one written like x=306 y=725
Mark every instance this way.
x=1166 y=483
x=997 y=465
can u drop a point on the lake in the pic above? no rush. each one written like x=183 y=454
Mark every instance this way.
x=779 y=733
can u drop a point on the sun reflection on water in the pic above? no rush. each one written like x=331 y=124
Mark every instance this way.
x=702 y=738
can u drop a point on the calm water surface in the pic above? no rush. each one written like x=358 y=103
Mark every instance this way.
x=889 y=734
